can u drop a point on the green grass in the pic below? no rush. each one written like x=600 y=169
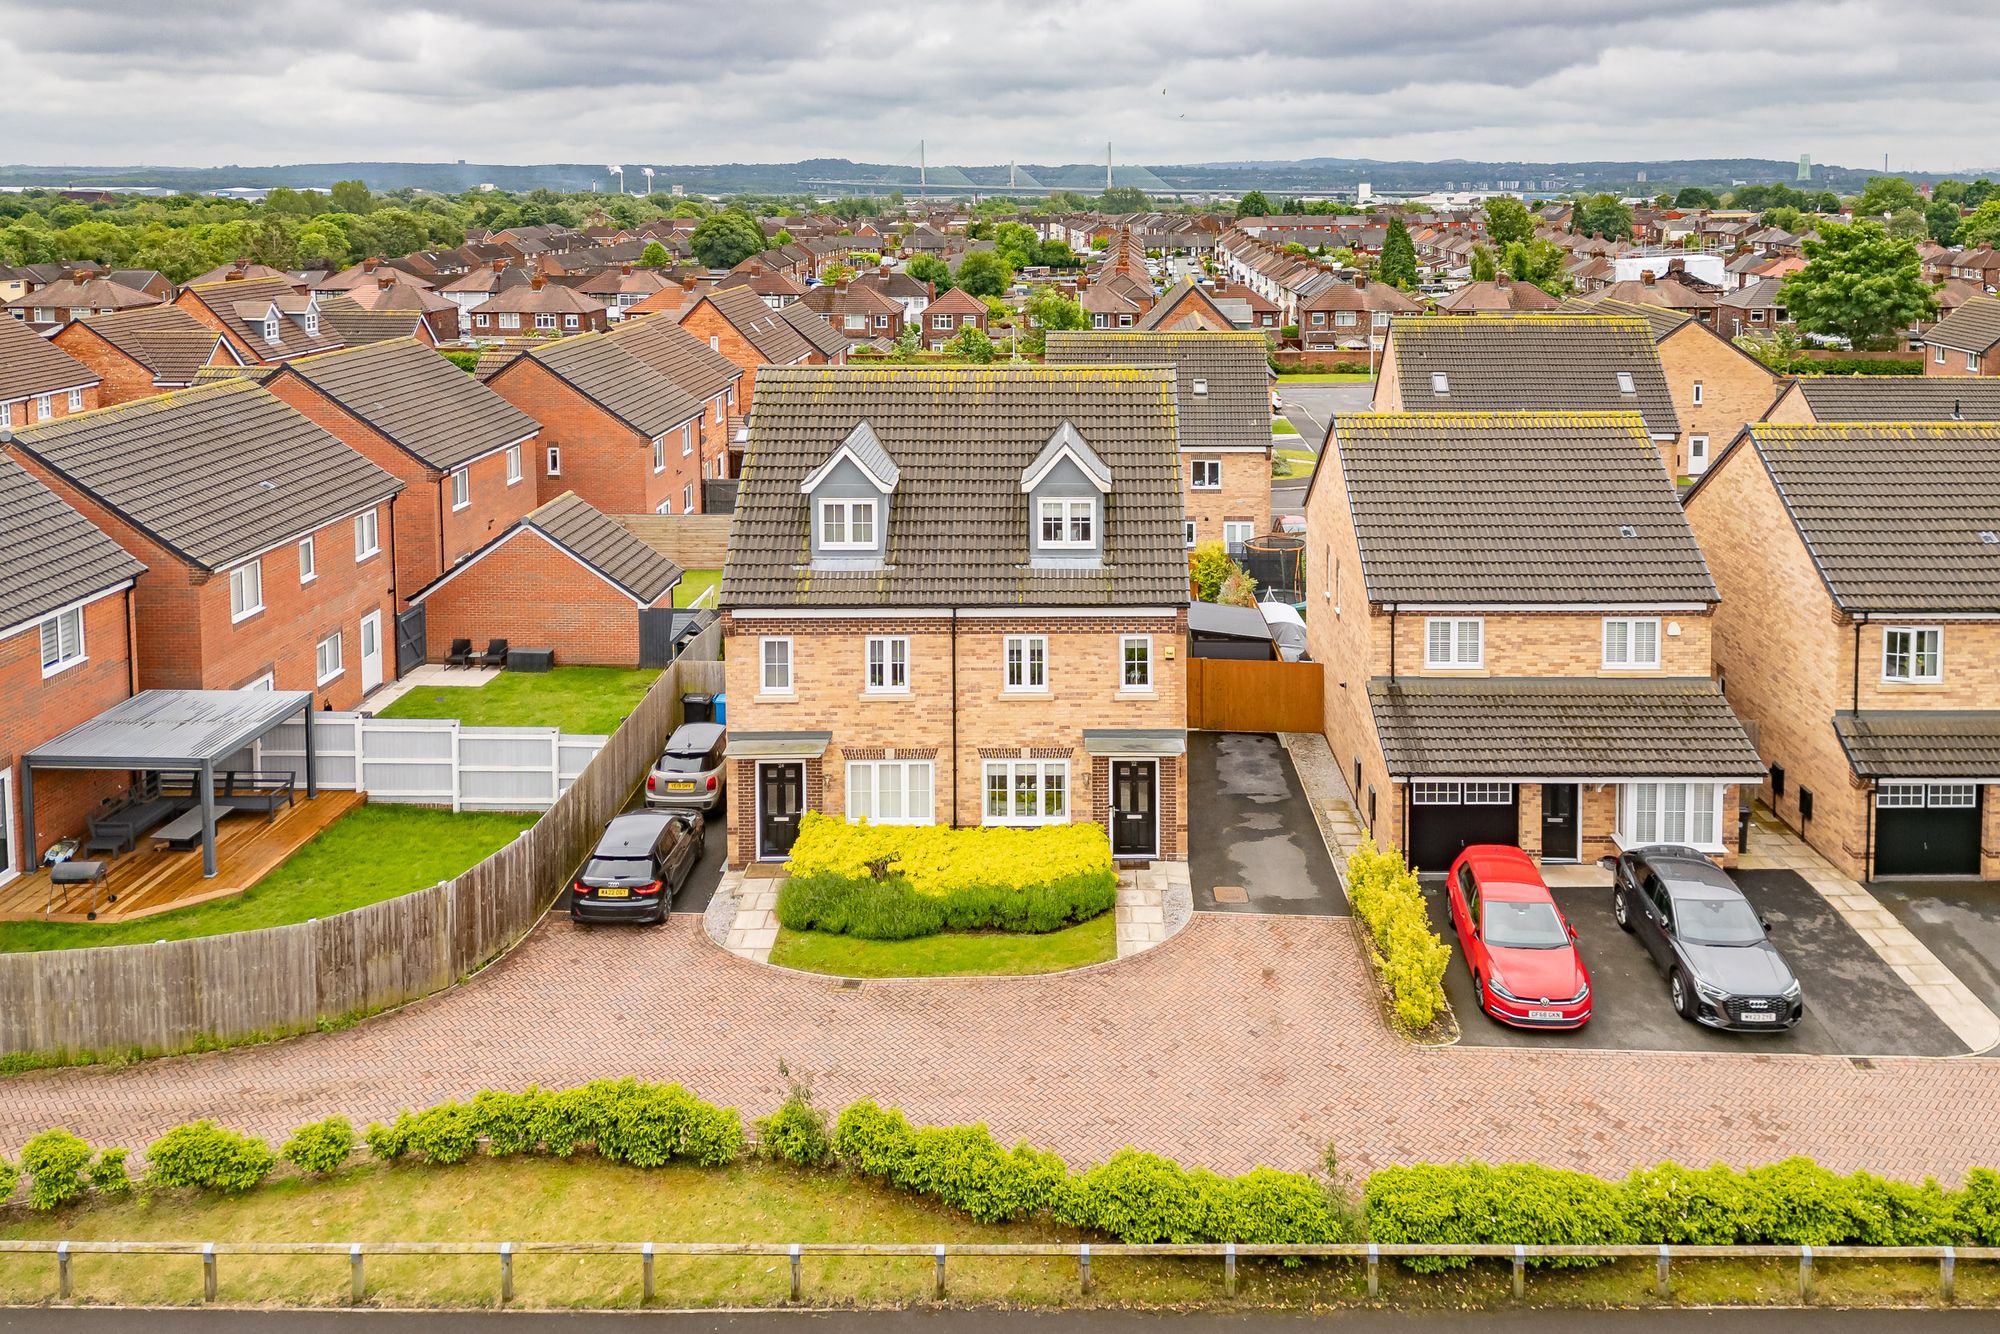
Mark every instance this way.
x=1293 y=462
x=693 y=584
x=951 y=953
x=1283 y=426
x=1324 y=377
x=544 y=1199
x=374 y=852
x=587 y=701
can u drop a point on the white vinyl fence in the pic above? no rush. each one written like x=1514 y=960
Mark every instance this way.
x=432 y=761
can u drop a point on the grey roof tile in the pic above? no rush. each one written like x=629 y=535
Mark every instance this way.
x=166 y=340
x=1533 y=363
x=50 y=556
x=407 y=391
x=1921 y=743
x=30 y=364
x=606 y=545
x=1901 y=398
x=621 y=383
x=1235 y=412
x=1973 y=327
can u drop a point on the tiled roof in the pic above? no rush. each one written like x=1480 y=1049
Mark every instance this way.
x=1901 y=398
x=958 y=522
x=1533 y=363
x=1496 y=295
x=549 y=298
x=766 y=330
x=92 y=293
x=1973 y=327
x=1921 y=743
x=1559 y=727
x=30 y=364
x=50 y=556
x=1661 y=319
x=617 y=381
x=1486 y=508
x=166 y=340
x=604 y=544
x=957 y=301
x=355 y=325
x=410 y=393
x=230 y=300
x=677 y=354
x=1235 y=412
x=214 y=473
x=1892 y=512
x=826 y=339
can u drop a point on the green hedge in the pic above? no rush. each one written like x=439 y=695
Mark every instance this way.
x=646 y=1125
x=463 y=358
x=1388 y=899
x=1853 y=366
x=893 y=909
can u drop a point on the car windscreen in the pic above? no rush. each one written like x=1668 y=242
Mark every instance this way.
x=1717 y=922
x=618 y=871
x=683 y=762
x=1523 y=926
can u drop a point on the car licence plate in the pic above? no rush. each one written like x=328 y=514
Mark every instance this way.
x=1545 y=1014
x=680 y=787
x=1758 y=1017
x=612 y=892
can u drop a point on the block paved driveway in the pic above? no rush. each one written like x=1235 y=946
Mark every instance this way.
x=1243 y=1039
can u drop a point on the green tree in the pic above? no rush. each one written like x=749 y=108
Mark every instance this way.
x=1786 y=217
x=655 y=256
x=351 y=197
x=1697 y=196
x=1056 y=254
x=1982 y=226
x=103 y=242
x=1602 y=215
x=984 y=273
x=1049 y=309
x=1908 y=222
x=1942 y=221
x=930 y=269
x=1508 y=220
x=1538 y=261
x=1859 y=283
x=1123 y=199
x=1018 y=242
x=971 y=343
x=909 y=342
x=1886 y=194
x=324 y=242
x=724 y=240
x=26 y=245
x=1253 y=205
x=1399 y=257
x=1484 y=267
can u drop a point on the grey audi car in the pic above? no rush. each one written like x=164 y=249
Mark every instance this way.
x=1721 y=967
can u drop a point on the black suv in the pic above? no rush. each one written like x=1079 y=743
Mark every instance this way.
x=638 y=866
x=1721 y=967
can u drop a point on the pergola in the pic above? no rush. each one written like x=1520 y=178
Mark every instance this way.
x=189 y=730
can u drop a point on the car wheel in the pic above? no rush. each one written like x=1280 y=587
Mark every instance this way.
x=1620 y=911
x=1681 y=994
x=1478 y=992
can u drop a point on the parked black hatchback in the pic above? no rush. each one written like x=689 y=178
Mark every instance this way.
x=638 y=866
x=1721 y=967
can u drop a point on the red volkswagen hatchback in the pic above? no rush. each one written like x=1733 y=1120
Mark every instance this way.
x=1522 y=952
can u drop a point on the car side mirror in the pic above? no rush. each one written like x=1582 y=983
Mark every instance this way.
x=1572 y=930
x=1667 y=925
x=1608 y=863
x=1764 y=922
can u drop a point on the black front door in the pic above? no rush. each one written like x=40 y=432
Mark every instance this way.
x=1134 y=820
x=1562 y=823
x=781 y=800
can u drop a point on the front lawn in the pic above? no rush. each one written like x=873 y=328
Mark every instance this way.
x=375 y=852
x=950 y=954
x=1293 y=462
x=584 y=701
x=693 y=584
x=1282 y=426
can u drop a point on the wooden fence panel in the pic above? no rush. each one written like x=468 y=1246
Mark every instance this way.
x=1235 y=695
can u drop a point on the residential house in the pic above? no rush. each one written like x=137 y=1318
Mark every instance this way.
x=1668 y=291
x=858 y=314
x=899 y=287
x=39 y=381
x=65 y=655
x=1967 y=341
x=622 y=288
x=1185 y=308
x=1859 y=564
x=1496 y=296
x=464 y=455
x=946 y=315
x=1753 y=309
x=1514 y=620
x=265 y=539
x=143 y=351
x=1222 y=394
x=471 y=288
x=541 y=308
x=736 y=325
x=1808 y=399
x=1352 y=315
x=993 y=555
x=264 y=320
x=84 y=292
x=699 y=371
x=397 y=292
x=355 y=325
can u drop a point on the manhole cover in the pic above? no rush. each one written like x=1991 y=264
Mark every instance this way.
x=1231 y=894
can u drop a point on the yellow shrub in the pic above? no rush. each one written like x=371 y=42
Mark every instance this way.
x=1387 y=897
x=937 y=859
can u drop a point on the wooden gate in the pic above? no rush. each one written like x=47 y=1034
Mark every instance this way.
x=410 y=642
x=1232 y=695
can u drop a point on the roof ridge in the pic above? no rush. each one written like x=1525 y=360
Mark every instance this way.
x=131 y=407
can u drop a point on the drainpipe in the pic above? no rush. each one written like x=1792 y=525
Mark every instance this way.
x=1392 y=643
x=1868 y=834
x=954 y=717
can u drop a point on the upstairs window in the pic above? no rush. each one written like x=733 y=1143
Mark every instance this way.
x=461 y=488
x=1135 y=653
x=62 y=641
x=1697 y=393
x=271 y=329
x=888 y=664
x=513 y=464
x=1205 y=474
x=246 y=590
x=1454 y=641
x=1440 y=383
x=1912 y=653
x=775 y=655
x=367 y=537
x=308 y=561
x=1027 y=662
x=1631 y=643
x=1067 y=522
x=847 y=525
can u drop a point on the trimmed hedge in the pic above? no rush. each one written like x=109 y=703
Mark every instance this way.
x=942 y=879
x=1853 y=366
x=321 y=1146
x=646 y=1125
x=1387 y=897
x=204 y=1156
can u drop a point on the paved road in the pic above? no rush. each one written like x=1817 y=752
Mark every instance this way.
x=1243 y=1039
x=1311 y=407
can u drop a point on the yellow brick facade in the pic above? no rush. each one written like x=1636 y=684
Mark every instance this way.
x=1736 y=389
x=1245 y=494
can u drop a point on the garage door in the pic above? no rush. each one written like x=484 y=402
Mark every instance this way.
x=1927 y=829
x=1446 y=817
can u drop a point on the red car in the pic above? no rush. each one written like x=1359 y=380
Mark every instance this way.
x=1522 y=952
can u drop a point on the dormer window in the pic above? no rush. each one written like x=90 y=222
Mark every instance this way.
x=847 y=525
x=1625 y=384
x=312 y=321
x=1068 y=522
x=1440 y=383
x=271 y=334
x=847 y=496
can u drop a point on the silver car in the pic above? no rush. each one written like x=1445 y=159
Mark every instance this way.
x=691 y=770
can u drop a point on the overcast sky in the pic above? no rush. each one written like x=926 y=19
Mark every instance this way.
x=254 y=82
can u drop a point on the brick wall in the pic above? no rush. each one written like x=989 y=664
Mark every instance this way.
x=1736 y=389
x=1954 y=362
x=1245 y=494
x=123 y=378
x=534 y=596
x=604 y=461
x=1545 y=644
x=24 y=411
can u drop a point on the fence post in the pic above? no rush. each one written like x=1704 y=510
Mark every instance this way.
x=1664 y=1284
x=1374 y=1271
x=1947 y=1274
x=1520 y=1272
x=1229 y=1269
x=358 y=1284
x=1805 y=1273
x=937 y=1280
x=208 y=1271
x=795 y=1272
x=646 y=1272
x=65 y=1286
x=1083 y=1267
x=506 y=1272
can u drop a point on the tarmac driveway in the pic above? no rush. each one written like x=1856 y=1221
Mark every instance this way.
x=1959 y=920
x=1855 y=1004
x=1253 y=843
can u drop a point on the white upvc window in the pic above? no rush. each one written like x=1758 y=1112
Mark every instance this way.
x=555 y=461
x=1025 y=792
x=1631 y=643
x=1626 y=385
x=847 y=525
x=664 y=507
x=775 y=654
x=1454 y=641
x=308 y=561
x=268 y=681
x=461 y=488
x=1067 y=522
x=687 y=498
x=327 y=657
x=659 y=453
x=6 y=414
x=271 y=329
x=246 y=590
x=1689 y=813
x=312 y=322
x=545 y=320
x=687 y=439
x=891 y=791
x=1236 y=534
x=1027 y=663
x=76 y=400
x=1205 y=474
x=367 y=535
x=1939 y=358
x=888 y=665
x=1912 y=653
x=1697 y=393
x=1135 y=662
x=1972 y=361
x=62 y=641
x=510 y=319
x=45 y=407
x=1937 y=796
x=513 y=464
x=1187 y=534
x=571 y=322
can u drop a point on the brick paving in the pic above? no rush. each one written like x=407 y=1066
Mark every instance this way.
x=1242 y=1039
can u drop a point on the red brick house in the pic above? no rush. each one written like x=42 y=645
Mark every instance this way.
x=542 y=307
x=142 y=352
x=266 y=541
x=1967 y=341
x=949 y=313
x=700 y=372
x=857 y=314
x=565 y=577
x=264 y=320
x=65 y=654
x=38 y=381
x=85 y=292
x=733 y=322
x=464 y=455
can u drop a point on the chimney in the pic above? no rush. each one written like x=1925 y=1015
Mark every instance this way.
x=241 y=269
x=687 y=281
x=1648 y=277
x=235 y=275
x=885 y=268
x=930 y=291
x=625 y=270
x=1360 y=281
x=537 y=281
x=499 y=265
x=385 y=282
x=370 y=265
x=840 y=286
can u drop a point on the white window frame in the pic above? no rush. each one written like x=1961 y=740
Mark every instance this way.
x=687 y=439
x=461 y=489
x=1440 y=383
x=1623 y=656
x=553 y=461
x=545 y=319
x=320 y=673
x=1204 y=474
x=45 y=407
x=1940 y=355
x=870 y=781
x=1972 y=361
x=308 y=561
x=1669 y=812
x=687 y=498
x=1626 y=384
x=272 y=330
x=885 y=665
x=65 y=624
x=1486 y=794
x=266 y=681
x=1066 y=510
x=367 y=535
x=1126 y=662
x=513 y=465
x=848 y=511
x=6 y=414
x=1236 y=533
x=1913 y=653
x=1011 y=772
x=510 y=319
x=1188 y=534
x=1455 y=642
x=246 y=590
x=659 y=454
x=774 y=665
x=76 y=400
x=1030 y=653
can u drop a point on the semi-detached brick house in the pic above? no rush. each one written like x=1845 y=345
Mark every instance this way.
x=463 y=453
x=945 y=315
x=1859 y=564
x=266 y=540
x=542 y=307
x=265 y=320
x=733 y=322
x=700 y=372
x=65 y=655
x=956 y=596
x=1967 y=341
x=1223 y=396
x=39 y=381
x=1514 y=620
x=142 y=352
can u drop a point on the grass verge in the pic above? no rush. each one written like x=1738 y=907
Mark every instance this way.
x=1293 y=462
x=950 y=953
x=586 y=701
x=374 y=852
x=586 y=1198
x=693 y=584
x=1283 y=426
